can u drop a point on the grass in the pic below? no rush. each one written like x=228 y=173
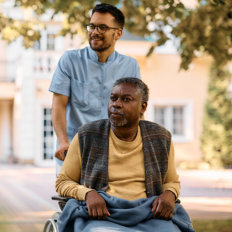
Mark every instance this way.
x=213 y=225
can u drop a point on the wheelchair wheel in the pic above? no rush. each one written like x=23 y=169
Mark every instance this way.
x=51 y=224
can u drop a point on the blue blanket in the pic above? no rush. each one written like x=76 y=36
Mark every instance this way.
x=126 y=216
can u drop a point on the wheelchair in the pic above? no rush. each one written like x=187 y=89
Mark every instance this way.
x=51 y=224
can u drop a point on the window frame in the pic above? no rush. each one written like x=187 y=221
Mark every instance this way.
x=51 y=46
x=187 y=116
x=51 y=137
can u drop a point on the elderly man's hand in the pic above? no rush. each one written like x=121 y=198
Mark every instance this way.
x=163 y=206
x=96 y=206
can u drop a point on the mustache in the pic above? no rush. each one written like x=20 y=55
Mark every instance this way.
x=115 y=111
x=96 y=37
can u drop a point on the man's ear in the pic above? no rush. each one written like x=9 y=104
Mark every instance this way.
x=118 y=34
x=143 y=108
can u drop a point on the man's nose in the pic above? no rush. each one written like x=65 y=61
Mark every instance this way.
x=117 y=103
x=95 y=30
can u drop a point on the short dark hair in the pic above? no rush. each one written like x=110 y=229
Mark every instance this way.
x=139 y=84
x=114 y=11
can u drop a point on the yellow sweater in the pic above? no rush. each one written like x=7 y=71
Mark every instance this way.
x=125 y=169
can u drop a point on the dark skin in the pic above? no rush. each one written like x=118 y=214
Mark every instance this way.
x=125 y=109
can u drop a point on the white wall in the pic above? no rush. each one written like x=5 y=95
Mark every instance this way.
x=5 y=130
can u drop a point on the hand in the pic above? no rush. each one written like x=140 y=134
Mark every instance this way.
x=61 y=151
x=96 y=206
x=164 y=205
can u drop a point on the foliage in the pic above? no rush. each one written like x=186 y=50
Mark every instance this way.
x=206 y=28
x=198 y=29
x=139 y=15
x=217 y=124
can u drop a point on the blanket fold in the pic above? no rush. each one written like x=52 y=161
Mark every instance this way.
x=125 y=216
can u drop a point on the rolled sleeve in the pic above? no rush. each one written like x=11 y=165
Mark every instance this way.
x=67 y=183
x=137 y=70
x=61 y=78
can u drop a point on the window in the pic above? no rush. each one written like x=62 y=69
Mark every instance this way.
x=178 y=120
x=47 y=135
x=171 y=117
x=176 y=117
x=49 y=64
x=50 y=42
x=37 y=45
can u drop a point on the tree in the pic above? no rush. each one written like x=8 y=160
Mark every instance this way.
x=206 y=29
x=217 y=124
x=139 y=15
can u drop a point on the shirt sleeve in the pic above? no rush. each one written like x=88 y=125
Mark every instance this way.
x=171 y=181
x=67 y=183
x=138 y=70
x=61 y=78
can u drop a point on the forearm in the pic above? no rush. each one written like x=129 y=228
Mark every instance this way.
x=69 y=188
x=171 y=181
x=67 y=183
x=173 y=187
x=60 y=124
x=59 y=121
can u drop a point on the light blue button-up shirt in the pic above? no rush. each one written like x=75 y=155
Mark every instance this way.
x=88 y=83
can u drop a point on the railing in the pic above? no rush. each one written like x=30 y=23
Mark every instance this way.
x=45 y=63
x=8 y=71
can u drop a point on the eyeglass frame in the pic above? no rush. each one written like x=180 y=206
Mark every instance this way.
x=107 y=28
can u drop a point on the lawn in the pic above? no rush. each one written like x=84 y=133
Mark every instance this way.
x=213 y=225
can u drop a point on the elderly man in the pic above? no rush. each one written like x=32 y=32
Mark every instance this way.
x=122 y=158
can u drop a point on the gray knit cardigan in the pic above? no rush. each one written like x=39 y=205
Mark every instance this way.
x=94 y=146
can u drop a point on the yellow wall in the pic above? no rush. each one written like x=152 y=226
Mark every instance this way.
x=162 y=75
x=165 y=81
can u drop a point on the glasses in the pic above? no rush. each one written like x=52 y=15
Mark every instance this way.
x=102 y=28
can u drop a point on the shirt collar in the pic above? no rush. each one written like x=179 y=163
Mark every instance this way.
x=94 y=56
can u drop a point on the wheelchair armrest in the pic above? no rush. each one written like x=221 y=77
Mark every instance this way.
x=61 y=200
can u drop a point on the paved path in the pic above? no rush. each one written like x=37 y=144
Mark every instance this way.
x=25 y=193
x=207 y=194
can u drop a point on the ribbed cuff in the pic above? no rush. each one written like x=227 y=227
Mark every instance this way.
x=173 y=190
x=82 y=193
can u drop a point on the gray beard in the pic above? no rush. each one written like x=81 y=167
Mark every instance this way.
x=119 y=124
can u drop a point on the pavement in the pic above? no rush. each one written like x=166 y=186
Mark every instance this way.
x=207 y=194
x=26 y=190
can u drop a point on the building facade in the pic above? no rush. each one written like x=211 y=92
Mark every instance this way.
x=26 y=134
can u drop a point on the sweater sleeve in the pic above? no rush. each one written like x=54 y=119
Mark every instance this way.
x=67 y=183
x=171 y=181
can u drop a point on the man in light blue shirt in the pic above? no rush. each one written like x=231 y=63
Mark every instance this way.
x=83 y=80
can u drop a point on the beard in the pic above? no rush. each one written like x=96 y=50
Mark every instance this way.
x=100 y=48
x=118 y=122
